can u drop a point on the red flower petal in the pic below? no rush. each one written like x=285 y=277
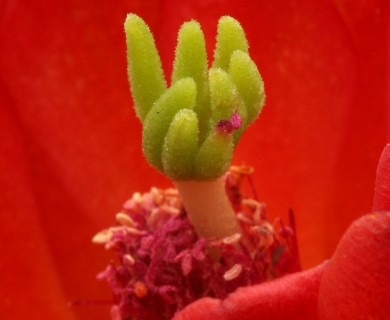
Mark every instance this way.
x=30 y=284
x=71 y=110
x=356 y=283
x=59 y=62
x=382 y=183
x=292 y=297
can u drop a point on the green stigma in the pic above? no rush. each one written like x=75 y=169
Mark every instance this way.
x=190 y=129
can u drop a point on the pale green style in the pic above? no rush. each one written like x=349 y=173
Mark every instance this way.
x=181 y=136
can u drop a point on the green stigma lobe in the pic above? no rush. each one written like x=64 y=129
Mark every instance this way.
x=187 y=133
x=223 y=95
x=219 y=148
x=246 y=77
x=182 y=95
x=144 y=66
x=180 y=145
x=230 y=37
x=191 y=61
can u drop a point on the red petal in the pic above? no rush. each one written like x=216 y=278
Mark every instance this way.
x=30 y=285
x=292 y=297
x=356 y=284
x=382 y=183
x=80 y=148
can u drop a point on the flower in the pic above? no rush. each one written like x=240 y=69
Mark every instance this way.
x=354 y=284
x=156 y=246
x=70 y=144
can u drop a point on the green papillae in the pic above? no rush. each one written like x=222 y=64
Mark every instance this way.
x=144 y=66
x=214 y=156
x=180 y=136
x=180 y=145
x=247 y=79
x=181 y=95
x=230 y=37
x=223 y=95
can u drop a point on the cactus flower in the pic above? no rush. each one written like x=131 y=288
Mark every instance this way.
x=71 y=145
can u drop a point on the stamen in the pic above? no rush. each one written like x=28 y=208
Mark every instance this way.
x=233 y=239
x=102 y=237
x=241 y=217
x=257 y=209
x=128 y=260
x=161 y=258
x=140 y=289
x=124 y=219
x=115 y=313
x=171 y=193
x=136 y=232
x=158 y=196
x=233 y=272
x=171 y=210
x=242 y=170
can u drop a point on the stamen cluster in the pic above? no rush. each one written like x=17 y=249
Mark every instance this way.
x=163 y=265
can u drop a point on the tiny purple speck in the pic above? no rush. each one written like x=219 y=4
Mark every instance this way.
x=236 y=121
x=228 y=126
